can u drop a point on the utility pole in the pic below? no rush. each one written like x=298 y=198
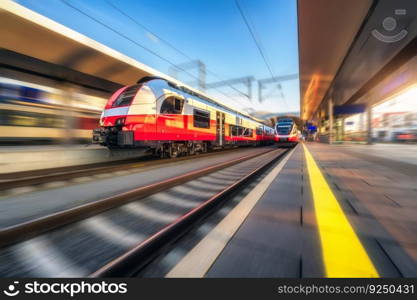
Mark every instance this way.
x=263 y=82
x=247 y=81
x=194 y=64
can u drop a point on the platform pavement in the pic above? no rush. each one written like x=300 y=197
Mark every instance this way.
x=26 y=158
x=281 y=236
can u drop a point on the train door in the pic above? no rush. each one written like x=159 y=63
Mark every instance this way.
x=171 y=124
x=220 y=130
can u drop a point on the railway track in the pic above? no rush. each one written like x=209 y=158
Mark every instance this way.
x=124 y=230
x=38 y=177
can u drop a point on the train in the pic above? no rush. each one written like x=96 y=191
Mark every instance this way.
x=287 y=131
x=42 y=114
x=171 y=120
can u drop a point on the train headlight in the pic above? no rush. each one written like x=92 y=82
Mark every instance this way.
x=120 y=121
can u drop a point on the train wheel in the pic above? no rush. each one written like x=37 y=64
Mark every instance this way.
x=173 y=151
x=191 y=149
x=160 y=152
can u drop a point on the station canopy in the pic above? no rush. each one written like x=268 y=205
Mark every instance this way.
x=326 y=31
x=350 y=56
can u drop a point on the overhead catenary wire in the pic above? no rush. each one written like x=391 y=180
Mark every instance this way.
x=139 y=45
x=258 y=44
x=169 y=44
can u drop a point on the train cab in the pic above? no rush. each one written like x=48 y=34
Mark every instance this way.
x=287 y=132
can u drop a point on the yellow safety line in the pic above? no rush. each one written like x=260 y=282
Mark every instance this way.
x=343 y=253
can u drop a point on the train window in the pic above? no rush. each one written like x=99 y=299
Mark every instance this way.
x=31 y=119
x=167 y=106
x=259 y=131
x=243 y=132
x=248 y=132
x=235 y=130
x=239 y=131
x=126 y=97
x=172 y=105
x=178 y=104
x=201 y=118
x=30 y=94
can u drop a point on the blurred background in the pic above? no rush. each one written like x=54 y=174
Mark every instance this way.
x=393 y=121
x=43 y=101
x=37 y=113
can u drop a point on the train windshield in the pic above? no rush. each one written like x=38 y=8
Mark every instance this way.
x=284 y=126
x=127 y=96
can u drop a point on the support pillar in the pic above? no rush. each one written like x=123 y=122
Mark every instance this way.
x=318 y=126
x=330 y=111
x=369 y=124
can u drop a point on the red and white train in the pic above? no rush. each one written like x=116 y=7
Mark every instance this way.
x=172 y=120
x=287 y=131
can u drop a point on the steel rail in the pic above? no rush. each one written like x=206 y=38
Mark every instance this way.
x=38 y=177
x=138 y=257
x=26 y=230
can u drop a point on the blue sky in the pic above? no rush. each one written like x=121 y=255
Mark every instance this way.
x=212 y=31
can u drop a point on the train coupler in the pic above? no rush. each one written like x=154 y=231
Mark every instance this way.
x=99 y=136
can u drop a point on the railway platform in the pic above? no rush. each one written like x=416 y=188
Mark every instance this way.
x=28 y=158
x=324 y=211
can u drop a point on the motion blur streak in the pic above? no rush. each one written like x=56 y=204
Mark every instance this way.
x=40 y=252
x=141 y=210
x=112 y=232
x=167 y=199
x=343 y=253
x=36 y=113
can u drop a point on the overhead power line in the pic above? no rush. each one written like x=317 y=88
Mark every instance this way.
x=115 y=7
x=257 y=43
x=138 y=44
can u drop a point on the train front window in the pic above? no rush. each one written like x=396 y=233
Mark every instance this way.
x=126 y=97
x=284 y=126
x=284 y=129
